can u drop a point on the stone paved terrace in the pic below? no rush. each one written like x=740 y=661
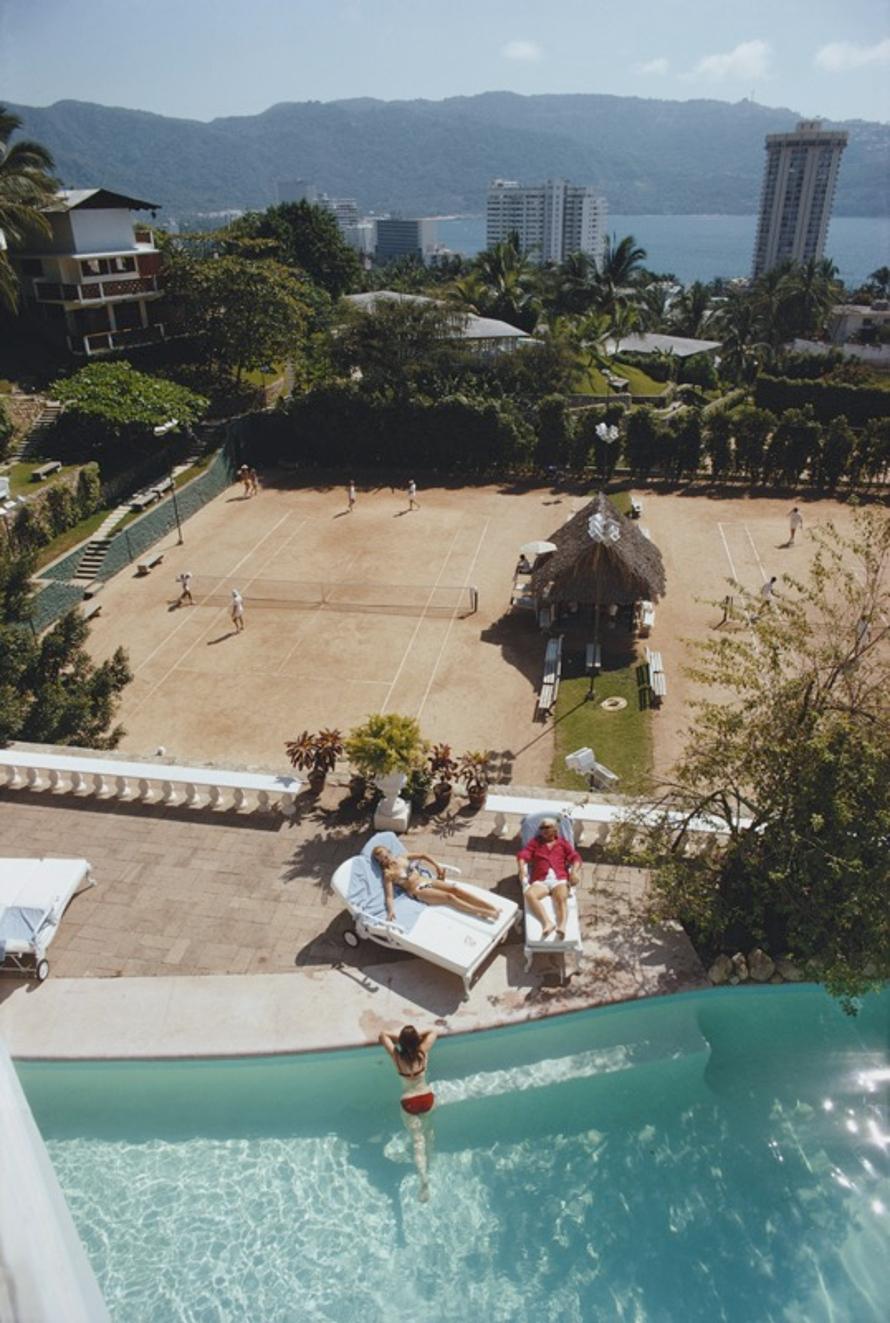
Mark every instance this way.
x=189 y=892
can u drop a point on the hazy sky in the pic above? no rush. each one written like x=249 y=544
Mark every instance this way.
x=203 y=58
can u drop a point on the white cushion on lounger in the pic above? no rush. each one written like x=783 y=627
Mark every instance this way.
x=533 y=939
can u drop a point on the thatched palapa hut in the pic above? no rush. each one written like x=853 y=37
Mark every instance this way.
x=602 y=560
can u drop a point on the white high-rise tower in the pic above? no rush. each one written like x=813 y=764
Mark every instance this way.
x=798 y=192
x=552 y=219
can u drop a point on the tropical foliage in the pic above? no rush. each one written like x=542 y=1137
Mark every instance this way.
x=791 y=754
x=26 y=186
x=51 y=691
x=112 y=399
x=301 y=236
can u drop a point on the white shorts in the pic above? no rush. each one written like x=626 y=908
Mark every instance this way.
x=551 y=882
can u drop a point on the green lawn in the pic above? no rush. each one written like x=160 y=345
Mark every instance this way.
x=20 y=476
x=70 y=538
x=257 y=377
x=622 y=741
x=591 y=381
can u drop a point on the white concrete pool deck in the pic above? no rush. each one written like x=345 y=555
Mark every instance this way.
x=321 y=1009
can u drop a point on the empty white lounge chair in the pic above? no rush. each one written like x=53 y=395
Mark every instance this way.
x=534 y=942
x=437 y=933
x=34 y=894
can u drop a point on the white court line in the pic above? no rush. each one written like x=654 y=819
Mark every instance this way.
x=212 y=623
x=420 y=622
x=763 y=573
x=451 y=621
x=176 y=630
x=728 y=557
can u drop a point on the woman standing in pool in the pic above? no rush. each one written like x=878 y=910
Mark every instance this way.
x=409 y=1054
x=400 y=871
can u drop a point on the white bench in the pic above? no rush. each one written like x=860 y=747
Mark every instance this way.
x=636 y=508
x=142 y=500
x=657 y=677
x=165 y=485
x=647 y=619
x=90 y=609
x=146 y=566
x=46 y=470
x=552 y=671
x=110 y=777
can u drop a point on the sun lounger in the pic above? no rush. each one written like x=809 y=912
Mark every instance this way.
x=534 y=942
x=33 y=896
x=437 y=933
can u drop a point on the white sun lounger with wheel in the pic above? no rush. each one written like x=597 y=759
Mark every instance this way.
x=34 y=894
x=444 y=936
x=534 y=941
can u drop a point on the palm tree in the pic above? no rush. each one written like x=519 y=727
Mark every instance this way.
x=622 y=261
x=880 y=279
x=573 y=285
x=509 y=282
x=810 y=292
x=654 y=305
x=738 y=325
x=691 y=311
x=26 y=187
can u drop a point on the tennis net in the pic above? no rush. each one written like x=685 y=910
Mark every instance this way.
x=410 y=599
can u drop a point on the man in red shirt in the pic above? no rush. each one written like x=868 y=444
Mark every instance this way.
x=549 y=865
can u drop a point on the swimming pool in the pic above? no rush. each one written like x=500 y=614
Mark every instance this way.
x=713 y=1156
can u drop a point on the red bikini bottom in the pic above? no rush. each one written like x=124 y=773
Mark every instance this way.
x=418 y=1103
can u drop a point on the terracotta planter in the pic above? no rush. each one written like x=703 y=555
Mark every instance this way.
x=476 y=796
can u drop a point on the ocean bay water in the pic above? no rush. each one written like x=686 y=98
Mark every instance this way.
x=703 y=247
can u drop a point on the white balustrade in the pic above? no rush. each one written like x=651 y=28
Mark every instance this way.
x=107 y=778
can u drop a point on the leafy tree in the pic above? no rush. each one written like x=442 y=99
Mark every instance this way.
x=689 y=442
x=111 y=400
x=305 y=238
x=871 y=456
x=795 y=443
x=5 y=429
x=51 y=691
x=243 y=314
x=26 y=187
x=792 y=755
x=751 y=428
x=838 y=444
x=89 y=490
x=554 y=432
x=402 y=347
x=718 y=442
x=643 y=441
x=880 y=281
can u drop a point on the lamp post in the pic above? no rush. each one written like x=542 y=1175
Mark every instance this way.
x=176 y=510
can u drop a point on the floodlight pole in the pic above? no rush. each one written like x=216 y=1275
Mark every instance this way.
x=176 y=510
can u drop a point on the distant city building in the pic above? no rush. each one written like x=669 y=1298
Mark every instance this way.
x=798 y=193
x=92 y=283
x=362 y=236
x=399 y=236
x=553 y=219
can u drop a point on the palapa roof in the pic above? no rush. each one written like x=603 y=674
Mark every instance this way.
x=589 y=572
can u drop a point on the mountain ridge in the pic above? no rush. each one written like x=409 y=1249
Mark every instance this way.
x=433 y=157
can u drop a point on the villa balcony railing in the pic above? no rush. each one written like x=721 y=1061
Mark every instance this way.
x=55 y=292
x=103 y=342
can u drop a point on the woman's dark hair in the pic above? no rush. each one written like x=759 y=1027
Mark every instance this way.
x=409 y=1043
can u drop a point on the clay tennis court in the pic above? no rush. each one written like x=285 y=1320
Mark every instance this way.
x=393 y=634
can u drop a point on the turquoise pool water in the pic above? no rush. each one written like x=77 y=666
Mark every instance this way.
x=715 y=1156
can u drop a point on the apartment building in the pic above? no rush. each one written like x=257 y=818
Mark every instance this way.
x=399 y=236
x=92 y=283
x=553 y=219
x=799 y=181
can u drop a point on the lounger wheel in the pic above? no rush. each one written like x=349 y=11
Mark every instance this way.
x=351 y=938
x=42 y=970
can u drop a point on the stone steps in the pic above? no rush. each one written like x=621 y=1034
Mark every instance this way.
x=33 y=439
x=90 y=562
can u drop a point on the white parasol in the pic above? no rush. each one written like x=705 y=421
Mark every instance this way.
x=531 y=550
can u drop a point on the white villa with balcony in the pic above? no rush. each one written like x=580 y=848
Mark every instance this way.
x=93 y=283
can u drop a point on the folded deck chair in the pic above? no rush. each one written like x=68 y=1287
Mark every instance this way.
x=534 y=942
x=34 y=894
x=437 y=933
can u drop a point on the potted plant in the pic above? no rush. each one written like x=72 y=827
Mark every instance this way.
x=417 y=787
x=473 y=770
x=443 y=769
x=316 y=754
x=384 y=749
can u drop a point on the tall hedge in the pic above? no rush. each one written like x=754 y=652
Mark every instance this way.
x=858 y=404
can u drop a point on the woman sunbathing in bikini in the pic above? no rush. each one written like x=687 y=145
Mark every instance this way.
x=400 y=871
